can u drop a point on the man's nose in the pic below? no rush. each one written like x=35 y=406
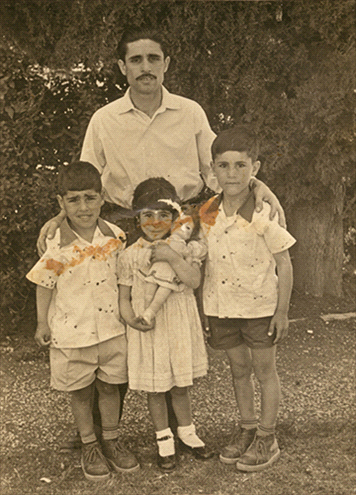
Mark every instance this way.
x=146 y=66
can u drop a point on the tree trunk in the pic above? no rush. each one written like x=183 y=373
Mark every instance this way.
x=318 y=254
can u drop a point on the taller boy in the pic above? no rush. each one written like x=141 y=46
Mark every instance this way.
x=247 y=306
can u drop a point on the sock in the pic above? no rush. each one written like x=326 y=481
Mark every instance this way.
x=88 y=438
x=189 y=437
x=165 y=442
x=110 y=432
x=265 y=431
x=249 y=424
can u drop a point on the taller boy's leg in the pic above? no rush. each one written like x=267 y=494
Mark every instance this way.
x=241 y=370
x=109 y=403
x=264 y=449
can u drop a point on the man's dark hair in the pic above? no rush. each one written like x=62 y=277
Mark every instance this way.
x=140 y=33
x=239 y=138
x=78 y=176
x=149 y=193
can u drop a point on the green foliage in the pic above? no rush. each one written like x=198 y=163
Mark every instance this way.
x=288 y=67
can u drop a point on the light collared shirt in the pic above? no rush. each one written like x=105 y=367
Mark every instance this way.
x=240 y=276
x=84 y=307
x=128 y=147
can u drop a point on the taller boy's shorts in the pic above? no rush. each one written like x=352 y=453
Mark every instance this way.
x=74 y=369
x=227 y=333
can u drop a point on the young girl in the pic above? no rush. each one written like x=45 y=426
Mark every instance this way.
x=169 y=356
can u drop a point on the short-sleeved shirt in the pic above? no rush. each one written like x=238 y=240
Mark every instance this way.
x=240 y=276
x=84 y=308
x=128 y=147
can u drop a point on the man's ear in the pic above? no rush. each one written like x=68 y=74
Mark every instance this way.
x=166 y=63
x=60 y=201
x=102 y=196
x=213 y=168
x=256 y=167
x=122 y=66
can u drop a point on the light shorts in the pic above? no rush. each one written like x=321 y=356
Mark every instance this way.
x=227 y=333
x=74 y=369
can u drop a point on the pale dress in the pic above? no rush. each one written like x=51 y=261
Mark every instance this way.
x=173 y=353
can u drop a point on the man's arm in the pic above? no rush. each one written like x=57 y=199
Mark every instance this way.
x=263 y=193
x=279 y=322
x=48 y=231
x=43 y=299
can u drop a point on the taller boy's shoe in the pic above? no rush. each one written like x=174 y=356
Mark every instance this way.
x=263 y=452
x=118 y=457
x=240 y=440
x=94 y=465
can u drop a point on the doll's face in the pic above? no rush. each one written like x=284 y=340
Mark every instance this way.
x=183 y=227
x=155 y=224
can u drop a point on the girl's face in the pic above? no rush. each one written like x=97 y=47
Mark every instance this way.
x=155 y=224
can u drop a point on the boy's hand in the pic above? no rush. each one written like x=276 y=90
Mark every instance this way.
x=279 y=325
x=263 y=193
x=43 y=334
x=141 y=324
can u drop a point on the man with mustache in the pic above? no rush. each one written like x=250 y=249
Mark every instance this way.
x=149 y=132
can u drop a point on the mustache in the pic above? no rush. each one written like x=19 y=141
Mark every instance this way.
x=145 y=75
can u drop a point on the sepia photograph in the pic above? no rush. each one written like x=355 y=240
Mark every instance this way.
x=178 y=247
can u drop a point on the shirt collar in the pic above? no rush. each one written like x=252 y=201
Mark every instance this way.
x=67 y=235
x=213 y=205
x=168 y=101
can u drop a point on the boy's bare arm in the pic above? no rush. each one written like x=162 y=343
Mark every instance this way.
x=127 y=311
x=279 y=322
x=48 y=231
x=43 y=299
x=187 y=273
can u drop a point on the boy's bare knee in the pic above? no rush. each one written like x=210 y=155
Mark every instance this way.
x=106 y=388
x=265 y=371
x=179 y=391
x=82 y=395
x=240 y=371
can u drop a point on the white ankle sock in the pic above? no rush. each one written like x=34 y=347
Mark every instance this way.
x=165 y=442
x=189 y=437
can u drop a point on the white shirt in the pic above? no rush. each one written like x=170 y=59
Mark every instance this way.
x=84 y=307
x=240 y=275
x=127 y=146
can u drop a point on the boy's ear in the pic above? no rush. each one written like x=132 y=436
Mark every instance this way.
x=102 y=196
x=256 y=167
x=60 y=201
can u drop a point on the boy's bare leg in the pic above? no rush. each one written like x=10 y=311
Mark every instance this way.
x=82 y=412
x=243 y=434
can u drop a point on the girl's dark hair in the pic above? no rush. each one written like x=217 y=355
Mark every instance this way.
x=78 y=176
x=148 y=193
x=134 y=33
x=239 y=138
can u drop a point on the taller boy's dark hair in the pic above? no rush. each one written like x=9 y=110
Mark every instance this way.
x=239 y=138
x=78 y=176
x=149 y=193
x=135 y=33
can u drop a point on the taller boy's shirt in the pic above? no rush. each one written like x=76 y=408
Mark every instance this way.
x=84 y=306
x=240 y=275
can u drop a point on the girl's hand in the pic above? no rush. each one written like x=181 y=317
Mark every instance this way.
x=161 y=251
x=43 y=334
x=279 y=324
x=142 y=325
x=263 y=193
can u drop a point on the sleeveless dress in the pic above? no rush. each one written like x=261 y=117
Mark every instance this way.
x=173 y=353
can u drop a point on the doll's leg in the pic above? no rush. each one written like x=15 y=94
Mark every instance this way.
x=159 y=298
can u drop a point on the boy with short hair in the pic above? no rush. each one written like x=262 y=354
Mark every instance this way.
x=246 y=304
x=78 y=315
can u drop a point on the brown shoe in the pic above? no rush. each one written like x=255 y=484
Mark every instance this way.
x=118 y=457
x=94 y=465
x=262 y=452
x=240 y=441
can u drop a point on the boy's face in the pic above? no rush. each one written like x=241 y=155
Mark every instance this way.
x=155 y=224
x=82 y=208
x=144 y=66
x=234 y=170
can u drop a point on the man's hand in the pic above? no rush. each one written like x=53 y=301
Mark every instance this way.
x=263 y=193
x=279 y=325
x=48 y=231
x=43 y=334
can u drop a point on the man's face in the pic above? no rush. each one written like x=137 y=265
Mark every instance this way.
x=82 y=208
x=144 y=66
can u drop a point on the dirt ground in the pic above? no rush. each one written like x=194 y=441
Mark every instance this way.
x=316 y=427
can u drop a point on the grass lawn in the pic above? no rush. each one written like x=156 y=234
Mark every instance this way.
x=316 y=427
